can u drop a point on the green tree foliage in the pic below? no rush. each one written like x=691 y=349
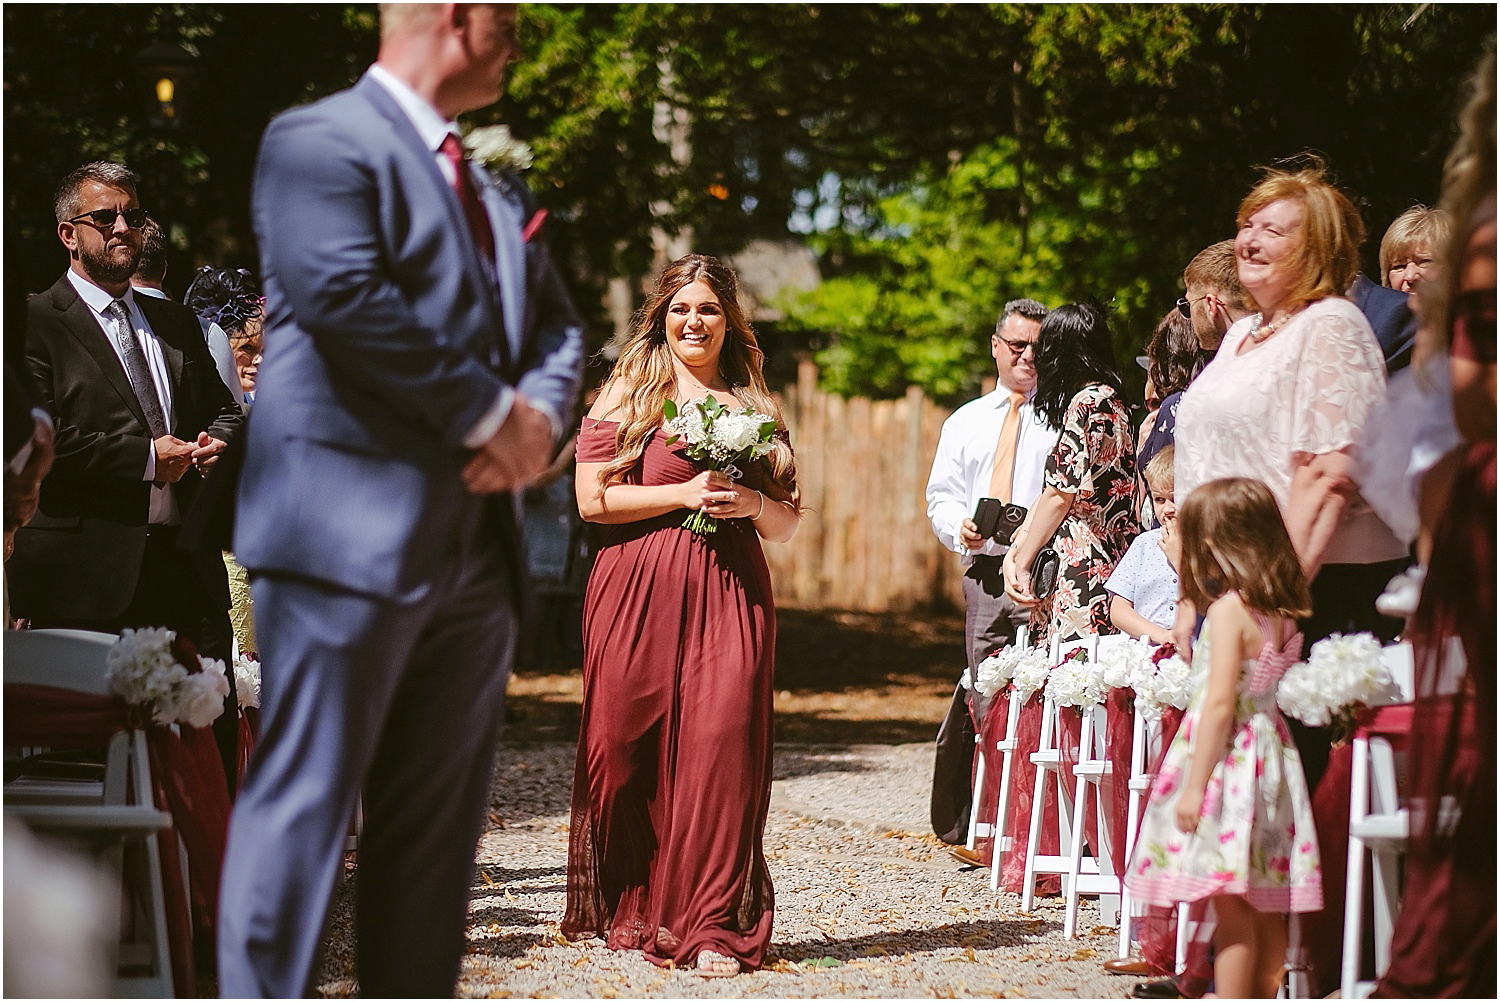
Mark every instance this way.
x=1121 y=143
x=952 y=155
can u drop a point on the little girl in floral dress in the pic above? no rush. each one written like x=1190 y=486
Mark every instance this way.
x=1229 y=817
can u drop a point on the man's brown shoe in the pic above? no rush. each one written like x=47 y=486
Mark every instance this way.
x=1130 y=966
x=967 y=857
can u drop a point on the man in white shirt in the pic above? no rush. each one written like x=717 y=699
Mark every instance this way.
x=995 y=446
x=149 y=280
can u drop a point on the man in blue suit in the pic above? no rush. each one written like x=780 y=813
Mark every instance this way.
x=421 y=357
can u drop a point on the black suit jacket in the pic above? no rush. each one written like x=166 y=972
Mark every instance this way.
x=80 y=558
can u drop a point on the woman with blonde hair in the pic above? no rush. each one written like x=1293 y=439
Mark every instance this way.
x=673 y=780
x=1410 y=245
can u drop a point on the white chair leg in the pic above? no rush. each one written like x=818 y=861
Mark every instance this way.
x=976 y=799
x=1038 y=801
x=1354 y=884
x=1009 y=751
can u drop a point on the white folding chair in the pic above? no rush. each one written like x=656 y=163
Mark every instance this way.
x=104 y=814
x=978 y=830
x=1092 y=875
x=1009 y=747
x=1047 y=761
x=1143 y=738
x=1378 y=826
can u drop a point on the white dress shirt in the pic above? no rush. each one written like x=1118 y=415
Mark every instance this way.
x=433 y=128
x=965 y=460
x=218 y=346
x=163 y=504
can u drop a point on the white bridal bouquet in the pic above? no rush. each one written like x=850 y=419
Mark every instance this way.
x=1341 y=674
x=719 y=437
x=145 y=671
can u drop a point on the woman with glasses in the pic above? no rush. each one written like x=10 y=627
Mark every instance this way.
x=229 y=297
x=1173 y=360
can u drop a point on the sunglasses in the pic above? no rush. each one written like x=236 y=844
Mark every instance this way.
x=1017 y=348
x=1185 y=306
x=105 y=218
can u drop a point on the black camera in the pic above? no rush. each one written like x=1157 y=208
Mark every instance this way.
x=997 y=520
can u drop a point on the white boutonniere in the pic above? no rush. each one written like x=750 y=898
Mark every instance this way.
x=495 y=148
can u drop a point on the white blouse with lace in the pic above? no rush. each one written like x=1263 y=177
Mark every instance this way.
x=1307 y=390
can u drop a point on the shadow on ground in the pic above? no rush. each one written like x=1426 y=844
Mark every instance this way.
x=983 y=935
x=842 y=678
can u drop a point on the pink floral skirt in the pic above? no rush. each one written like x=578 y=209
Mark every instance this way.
x=1255 y=834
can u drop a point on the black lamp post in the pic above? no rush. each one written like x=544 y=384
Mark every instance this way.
x=167 y=68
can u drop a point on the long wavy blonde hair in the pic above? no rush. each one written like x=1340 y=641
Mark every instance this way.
x=645 y=374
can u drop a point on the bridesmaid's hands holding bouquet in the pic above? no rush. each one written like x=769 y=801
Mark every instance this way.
x=714 y=494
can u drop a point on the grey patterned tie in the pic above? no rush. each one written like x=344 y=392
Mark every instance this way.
x=137 y=369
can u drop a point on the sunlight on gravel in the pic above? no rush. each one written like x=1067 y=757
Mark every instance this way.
x=867 y=903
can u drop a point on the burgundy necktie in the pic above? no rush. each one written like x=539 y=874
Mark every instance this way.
x=468 y=198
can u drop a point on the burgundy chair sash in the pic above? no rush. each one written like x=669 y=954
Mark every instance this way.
x=188 y=780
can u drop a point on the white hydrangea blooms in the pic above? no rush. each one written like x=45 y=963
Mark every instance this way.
x=1125 y=661
x=142 y=671
x=1030 y=672
x=200 y=699
x=247 y=681
x=1077 y=682
x=1341 y=672
x=1171 y=685
x=995 y=672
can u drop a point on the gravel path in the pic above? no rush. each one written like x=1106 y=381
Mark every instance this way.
x=867 y=903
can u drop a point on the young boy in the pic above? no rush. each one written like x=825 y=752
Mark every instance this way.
x=1143 y=586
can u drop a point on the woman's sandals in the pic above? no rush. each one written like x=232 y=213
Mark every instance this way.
x=716 y=965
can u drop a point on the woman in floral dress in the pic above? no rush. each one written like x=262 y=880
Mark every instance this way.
x=1085 y=511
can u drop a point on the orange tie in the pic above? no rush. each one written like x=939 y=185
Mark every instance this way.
x=1005 y=451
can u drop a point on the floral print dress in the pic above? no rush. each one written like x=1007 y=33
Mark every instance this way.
x=1094 y=460
x=1255 y=834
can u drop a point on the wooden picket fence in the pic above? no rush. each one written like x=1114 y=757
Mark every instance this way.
x=865 y=542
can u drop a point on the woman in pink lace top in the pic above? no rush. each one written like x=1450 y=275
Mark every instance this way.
x=1286 y=398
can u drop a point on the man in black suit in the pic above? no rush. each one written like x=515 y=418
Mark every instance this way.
x=141 y=417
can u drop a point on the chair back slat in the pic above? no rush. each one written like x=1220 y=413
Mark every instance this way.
x=67 y=659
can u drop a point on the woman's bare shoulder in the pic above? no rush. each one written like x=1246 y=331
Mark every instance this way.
x=608 y=402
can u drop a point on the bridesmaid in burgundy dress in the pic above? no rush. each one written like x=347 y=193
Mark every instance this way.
x=673 y=780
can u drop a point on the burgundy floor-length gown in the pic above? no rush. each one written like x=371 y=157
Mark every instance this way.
x=673 y=781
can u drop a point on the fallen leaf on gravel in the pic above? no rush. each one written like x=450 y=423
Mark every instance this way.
x=1085 y=953
x=945 y=893
x=499 y=993
x=522 y=964
x=1103 y=930
x=495 y=820
x=487 y=881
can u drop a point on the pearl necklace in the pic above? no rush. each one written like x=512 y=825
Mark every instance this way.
x=1260 y=326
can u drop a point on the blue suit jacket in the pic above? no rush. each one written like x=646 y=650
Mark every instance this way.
x=383 y=349
x=1391 y=318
